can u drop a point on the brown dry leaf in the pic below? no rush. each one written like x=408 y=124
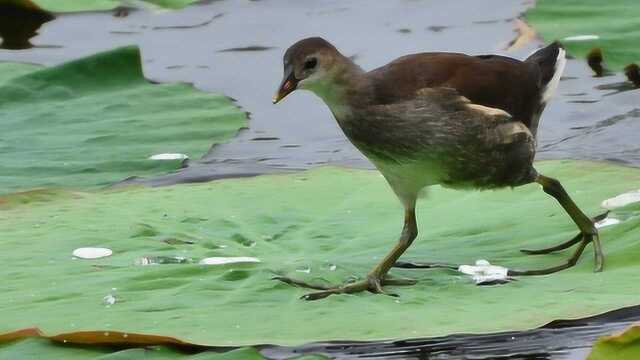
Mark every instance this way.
x=20 y=334
x=526 y=34
x=103 y=338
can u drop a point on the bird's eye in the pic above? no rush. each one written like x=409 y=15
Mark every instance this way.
x=310 y=63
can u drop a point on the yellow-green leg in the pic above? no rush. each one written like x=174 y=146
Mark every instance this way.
x=377 y=277
x=588 y=232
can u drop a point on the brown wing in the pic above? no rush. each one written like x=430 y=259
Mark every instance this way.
x=490 y=80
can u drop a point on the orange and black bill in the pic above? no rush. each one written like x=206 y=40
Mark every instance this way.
x=289 y=83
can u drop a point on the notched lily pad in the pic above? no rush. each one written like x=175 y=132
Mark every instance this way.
x=97 y=120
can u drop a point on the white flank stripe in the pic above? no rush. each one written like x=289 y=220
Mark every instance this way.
x=555 y=80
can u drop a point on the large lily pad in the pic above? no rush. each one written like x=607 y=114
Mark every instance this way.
x=97 y=120
x=326 y=223
x=616 y=23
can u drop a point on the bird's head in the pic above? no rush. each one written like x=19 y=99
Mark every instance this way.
x=311 y=64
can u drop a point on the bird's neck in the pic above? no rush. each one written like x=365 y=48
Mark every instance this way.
x=339 y=90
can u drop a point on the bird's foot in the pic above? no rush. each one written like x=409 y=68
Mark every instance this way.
x=582 y=239
x=372 y=283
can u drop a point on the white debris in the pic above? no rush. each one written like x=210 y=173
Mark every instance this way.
x=92 y=252
x=621 y=200
x=581 y=38
x=110 y=299
x=483 y=272
x=228 y=260
x=607 y=222
x=168 y=156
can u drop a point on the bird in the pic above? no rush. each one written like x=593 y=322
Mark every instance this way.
x=458 y=120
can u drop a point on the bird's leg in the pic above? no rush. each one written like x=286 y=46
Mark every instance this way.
x=567 y=244
x=378 y=277
x=588 y=232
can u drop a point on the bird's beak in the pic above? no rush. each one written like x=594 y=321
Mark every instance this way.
x=289 y=83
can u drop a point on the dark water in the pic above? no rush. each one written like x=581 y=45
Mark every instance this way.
x=236 y=47
x=560 y=339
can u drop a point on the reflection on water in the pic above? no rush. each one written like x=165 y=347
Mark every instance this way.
x=248 y=48
x=19 y=23
x=617 y=87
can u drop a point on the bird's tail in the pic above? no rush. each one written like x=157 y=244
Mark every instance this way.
x=551 y=61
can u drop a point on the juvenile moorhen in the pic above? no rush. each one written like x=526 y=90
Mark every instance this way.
x=466 y=122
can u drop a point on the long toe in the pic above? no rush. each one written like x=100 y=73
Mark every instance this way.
x=565 y=245
x=317 y=295
x=300 y=283
x=598 y=254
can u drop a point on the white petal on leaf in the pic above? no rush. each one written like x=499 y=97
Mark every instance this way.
x=483 y=272
x=581 y=37
x=621 y=200
x=92 y=252
x=168 y=156
x=607 y=222
x=228 y=260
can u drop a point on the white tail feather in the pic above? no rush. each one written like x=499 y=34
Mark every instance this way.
x=551 y=87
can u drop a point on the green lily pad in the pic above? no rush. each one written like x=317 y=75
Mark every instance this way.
x=623 y=346
x=10 y=70
x=97 y=120
x=616 y=23
x=327 y=224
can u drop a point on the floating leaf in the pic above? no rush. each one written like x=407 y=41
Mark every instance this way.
x=97 y=120
x=613 y=26
x=623 y=346
x=347 y=218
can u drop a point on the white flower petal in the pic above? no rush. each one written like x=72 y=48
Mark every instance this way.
x=168 y=156
x=581 y=38
x=607 y=222
x=621 y=200
x=228 y=260
x=92 y=252
x=483 y=272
